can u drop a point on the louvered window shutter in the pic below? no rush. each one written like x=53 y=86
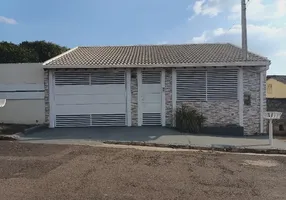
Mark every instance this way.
x=222 y=84
x=191 y=85
x=72 y=78
x=107 y=77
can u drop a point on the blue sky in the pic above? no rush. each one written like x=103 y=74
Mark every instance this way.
x=125 y=22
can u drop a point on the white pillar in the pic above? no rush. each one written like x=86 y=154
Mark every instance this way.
x=51 y=100
x=128 y=97
x=174 y=95
x=270 y=132
x=240 y=95
x=261 y=101
x=163 y=101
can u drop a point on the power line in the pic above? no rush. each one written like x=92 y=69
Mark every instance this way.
x=247 y=3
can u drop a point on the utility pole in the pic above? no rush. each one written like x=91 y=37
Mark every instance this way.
x=244 y=29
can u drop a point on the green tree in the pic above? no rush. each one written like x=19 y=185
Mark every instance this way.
x=37 y=51
x=12 y=53
x=45 y=50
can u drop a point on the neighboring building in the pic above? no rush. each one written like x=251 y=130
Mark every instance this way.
x=23 y=87
x=276 y=101
x=143 y=85
x=276 y=87
x=275 y=104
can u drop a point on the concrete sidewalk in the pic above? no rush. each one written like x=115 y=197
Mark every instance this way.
x=156 y=135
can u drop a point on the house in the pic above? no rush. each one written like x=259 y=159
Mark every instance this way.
x=22 y=85
x=143 y=85
x=276 y=101
x=276 y=87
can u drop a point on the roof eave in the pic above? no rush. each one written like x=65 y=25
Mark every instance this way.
x=223 y=64
x=58 y=56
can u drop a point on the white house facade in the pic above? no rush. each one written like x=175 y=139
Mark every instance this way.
x=143 y=86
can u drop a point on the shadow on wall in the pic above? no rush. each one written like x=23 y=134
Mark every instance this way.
x=275 y=104
x=279 y=127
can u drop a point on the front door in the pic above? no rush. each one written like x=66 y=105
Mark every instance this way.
x=151 y=97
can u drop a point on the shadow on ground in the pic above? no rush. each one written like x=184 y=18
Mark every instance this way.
x=158 y=135
x=142 y=134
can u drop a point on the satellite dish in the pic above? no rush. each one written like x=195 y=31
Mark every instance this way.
x=2 y=102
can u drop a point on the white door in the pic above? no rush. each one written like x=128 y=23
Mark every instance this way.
x=151 y=97
x=90 y=99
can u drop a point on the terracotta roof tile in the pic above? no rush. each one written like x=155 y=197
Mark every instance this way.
x=152 y=55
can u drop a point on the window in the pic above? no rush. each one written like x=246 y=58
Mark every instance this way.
x=269 y=88
x=207 y=85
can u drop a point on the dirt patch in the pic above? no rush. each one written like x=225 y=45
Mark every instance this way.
x=26 y=168
x=36 y=171
x=262 y=163
x=14 y=148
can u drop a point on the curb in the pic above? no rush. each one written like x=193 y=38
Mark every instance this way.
x=232 y=149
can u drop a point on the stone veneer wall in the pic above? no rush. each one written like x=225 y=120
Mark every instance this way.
x=251 y=113
x=47 y=102
x=134 y=97
x=264 y=102
x=217 y=112
x=168 y=97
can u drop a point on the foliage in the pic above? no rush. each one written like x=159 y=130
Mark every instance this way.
x=189 y=119
x=37 y=51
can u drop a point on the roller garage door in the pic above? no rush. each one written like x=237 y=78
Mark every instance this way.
x=85 y=99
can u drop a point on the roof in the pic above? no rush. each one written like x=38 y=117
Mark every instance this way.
x=279 y=78
x=151 y=55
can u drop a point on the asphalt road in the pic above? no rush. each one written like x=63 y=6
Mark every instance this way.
x=41 y=171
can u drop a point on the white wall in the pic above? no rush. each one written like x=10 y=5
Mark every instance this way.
x=23 y=87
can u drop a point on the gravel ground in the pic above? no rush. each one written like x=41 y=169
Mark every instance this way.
x=38 y=171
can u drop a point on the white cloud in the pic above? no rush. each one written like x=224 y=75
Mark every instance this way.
x=7 y=20
x=259 y=10
x=262 y=31
x=201 y=39
x=281 y=5
x=281 y=53
x=219 y=32
x=209 y=8
x=198 y=7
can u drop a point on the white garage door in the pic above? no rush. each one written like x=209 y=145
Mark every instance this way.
x=90 y=99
